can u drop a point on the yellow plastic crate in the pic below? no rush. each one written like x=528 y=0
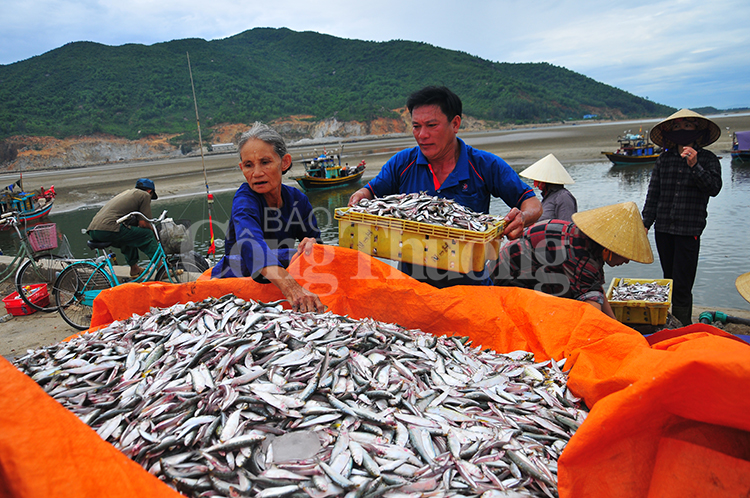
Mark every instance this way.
x=424 y=244
x=640 y=311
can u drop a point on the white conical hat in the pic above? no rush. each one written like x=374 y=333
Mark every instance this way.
x=743 y=285
x=548 y=170
x=711 y=131
x=619 y=228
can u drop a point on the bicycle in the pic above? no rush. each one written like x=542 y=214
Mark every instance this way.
x=34 y=265
x=79 y=283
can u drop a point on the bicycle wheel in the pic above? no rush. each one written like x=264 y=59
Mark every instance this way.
x=75 y=290
x=43 y=269
x=184 y=268
x=178 y=273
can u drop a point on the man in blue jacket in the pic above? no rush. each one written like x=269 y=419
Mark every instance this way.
x=443 y=165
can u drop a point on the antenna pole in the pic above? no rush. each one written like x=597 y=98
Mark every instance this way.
x=209 y=196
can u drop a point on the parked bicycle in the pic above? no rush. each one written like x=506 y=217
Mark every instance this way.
x=79 y=283
x=34 y=265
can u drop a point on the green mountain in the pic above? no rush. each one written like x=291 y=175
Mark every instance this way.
x=262 y=74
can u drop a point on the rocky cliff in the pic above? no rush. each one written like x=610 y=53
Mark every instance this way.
x=41 y=153
x=37 y=153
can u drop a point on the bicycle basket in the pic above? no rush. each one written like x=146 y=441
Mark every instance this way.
x=43 y=237
x=175 y=238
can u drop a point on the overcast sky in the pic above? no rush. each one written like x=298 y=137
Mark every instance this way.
x=682 y=53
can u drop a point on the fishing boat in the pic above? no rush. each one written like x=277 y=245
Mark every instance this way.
x=324 y=172
x=741 y=146
x=31 y=206
x=634 y=148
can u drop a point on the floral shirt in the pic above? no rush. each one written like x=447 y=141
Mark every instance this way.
x=556 y=258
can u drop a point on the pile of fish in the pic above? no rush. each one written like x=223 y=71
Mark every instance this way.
x=644 y=291
x=227 y=397
x=425 y=208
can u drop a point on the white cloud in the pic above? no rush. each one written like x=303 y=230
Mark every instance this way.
x=681 y=53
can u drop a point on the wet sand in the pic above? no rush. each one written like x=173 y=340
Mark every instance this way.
x=520 y=147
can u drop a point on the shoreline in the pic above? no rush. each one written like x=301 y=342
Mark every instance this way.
x=179 y=177
x=469 y=125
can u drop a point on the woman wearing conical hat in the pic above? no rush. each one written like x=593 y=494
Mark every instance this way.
x=550 y=177
x=567 y=259
x=684 y=178
x=742 y=283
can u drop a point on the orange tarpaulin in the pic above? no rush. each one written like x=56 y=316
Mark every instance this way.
x=45 y=451
x=669 y=416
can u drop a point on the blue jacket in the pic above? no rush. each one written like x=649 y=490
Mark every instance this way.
x=478 y=175
x=259 y=236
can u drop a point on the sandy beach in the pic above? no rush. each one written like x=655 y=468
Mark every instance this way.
x=520 y=147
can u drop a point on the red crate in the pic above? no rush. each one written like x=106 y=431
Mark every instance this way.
x=37 y=294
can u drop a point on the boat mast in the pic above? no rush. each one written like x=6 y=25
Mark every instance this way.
x=209 y=196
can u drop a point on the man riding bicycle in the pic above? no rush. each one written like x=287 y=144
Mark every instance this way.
x=129 y=239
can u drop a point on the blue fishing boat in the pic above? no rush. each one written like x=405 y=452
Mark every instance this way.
x=324 y=172
x=741 y=146
x=30 y=206
x=634 y=148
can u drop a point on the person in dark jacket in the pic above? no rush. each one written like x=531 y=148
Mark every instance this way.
x=685 y=176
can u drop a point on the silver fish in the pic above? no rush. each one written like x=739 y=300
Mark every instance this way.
x=213 y=396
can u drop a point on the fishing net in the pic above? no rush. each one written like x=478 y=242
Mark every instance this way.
x=176 y=237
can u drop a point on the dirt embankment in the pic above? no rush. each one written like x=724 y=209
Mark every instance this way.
x=44 y=153
x=36 y=153
x=51 y=153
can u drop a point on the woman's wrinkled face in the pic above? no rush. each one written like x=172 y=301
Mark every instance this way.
x=262 y=166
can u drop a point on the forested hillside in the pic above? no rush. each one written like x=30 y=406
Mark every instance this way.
x=263 y=74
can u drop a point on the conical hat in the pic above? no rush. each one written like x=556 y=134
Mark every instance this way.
x=743 y=285
x=619 y=228
x=711 y=135
x=548 y=170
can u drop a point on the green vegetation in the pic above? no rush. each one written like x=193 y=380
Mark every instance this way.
x=132 y=90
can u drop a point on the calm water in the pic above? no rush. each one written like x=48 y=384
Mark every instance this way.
x=724 y=247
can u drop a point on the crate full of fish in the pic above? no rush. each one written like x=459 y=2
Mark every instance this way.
x=640 y=300
x=420 y=229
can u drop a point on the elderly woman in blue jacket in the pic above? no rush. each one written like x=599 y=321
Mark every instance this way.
x=267 y=220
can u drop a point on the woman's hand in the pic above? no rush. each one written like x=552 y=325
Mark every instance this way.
x=604 y=307
x=691 y=155
x=305 y=247
x=303 y=300
x=299 y=298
